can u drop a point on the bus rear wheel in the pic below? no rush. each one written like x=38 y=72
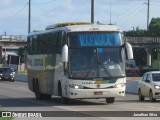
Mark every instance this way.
x=38 y=95
x=110 y=99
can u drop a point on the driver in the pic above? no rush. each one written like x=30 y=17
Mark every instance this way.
x=108 y=60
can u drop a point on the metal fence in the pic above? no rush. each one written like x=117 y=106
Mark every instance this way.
x=143 y=39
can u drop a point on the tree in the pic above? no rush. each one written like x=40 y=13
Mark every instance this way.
x=154 y=27
x=135 y=33
x=21 y=52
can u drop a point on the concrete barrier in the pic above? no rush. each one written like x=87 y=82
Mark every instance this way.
x=132 y=86
x=21 y=77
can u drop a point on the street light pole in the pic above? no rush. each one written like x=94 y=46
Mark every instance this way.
x=92 y=11
x=29 y=17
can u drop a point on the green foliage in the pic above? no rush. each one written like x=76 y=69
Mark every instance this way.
x=140 y=56
x=154 y=27
x=154 y=30
x=135 y=33
x=23 y=72
x=4 y=118
x=1 y=60
x=21 y=52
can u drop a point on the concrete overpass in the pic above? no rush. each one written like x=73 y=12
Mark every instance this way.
x=11 y=46
x=148 y=43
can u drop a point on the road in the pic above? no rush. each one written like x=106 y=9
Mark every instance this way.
x=15 y=96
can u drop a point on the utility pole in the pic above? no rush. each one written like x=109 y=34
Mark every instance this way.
x=92 y=11
x=110 y=14
x=29 y=17
x=148 y=15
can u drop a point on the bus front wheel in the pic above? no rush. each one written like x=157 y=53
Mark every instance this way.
x=64 y=100
x=110 y=99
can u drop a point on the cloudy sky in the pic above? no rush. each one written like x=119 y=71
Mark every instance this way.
x=125 y=13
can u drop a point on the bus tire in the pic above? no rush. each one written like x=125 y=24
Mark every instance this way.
x=38 y=95
x=110 y=99
x=64 y=100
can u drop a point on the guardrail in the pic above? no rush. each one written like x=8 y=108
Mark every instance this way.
x=13 y=37
x=143 y=39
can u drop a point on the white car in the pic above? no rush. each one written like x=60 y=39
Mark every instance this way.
x=149 y=86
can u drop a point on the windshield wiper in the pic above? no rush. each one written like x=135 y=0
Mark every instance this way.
x=107 y=71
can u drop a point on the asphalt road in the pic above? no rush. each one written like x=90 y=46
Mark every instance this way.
x=15 y=96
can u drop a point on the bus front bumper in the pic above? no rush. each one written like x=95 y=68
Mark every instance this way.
x=95 y=93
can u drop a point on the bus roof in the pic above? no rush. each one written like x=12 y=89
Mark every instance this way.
x=65 y=24
x=93 y=27
x=81 y=28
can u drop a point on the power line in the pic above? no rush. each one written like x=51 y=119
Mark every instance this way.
x=128 y=12
x=43 y=2
x=24 y=8
x=137 y=0
x=15 y=13
x=131 y=15
x=138 y=11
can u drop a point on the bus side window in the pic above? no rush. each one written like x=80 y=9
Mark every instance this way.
x=58 y=42
x=64 y=39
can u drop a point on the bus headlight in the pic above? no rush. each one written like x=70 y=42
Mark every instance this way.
x=157 y=87
x=76 y=86
x=119 y=85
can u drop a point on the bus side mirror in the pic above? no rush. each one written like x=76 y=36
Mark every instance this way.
x=65 y=58
x=129 y=50
x=65 y=54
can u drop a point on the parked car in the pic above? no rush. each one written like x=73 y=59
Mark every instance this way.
x=149 y=86
x=7 y=73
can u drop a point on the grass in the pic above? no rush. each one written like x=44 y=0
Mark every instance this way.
x=23 y=72
x=4 y=118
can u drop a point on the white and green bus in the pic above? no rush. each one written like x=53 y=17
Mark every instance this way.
x=68 y=60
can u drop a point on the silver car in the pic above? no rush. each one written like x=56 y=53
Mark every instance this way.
x=149 y=86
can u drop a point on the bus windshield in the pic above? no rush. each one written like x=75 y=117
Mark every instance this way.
x=79 y=39
x=89 y=62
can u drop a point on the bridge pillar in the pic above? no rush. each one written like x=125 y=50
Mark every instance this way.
x=149 y=59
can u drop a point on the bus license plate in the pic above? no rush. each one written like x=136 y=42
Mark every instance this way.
x=98 y=93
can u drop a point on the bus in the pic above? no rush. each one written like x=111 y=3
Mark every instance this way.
x=68 y=60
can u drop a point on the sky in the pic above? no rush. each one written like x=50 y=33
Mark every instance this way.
x=127 y=14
